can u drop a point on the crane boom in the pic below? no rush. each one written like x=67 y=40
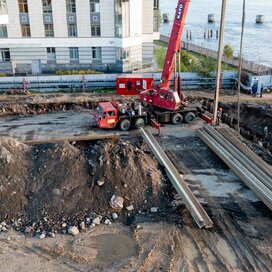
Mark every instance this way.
x=174 y=42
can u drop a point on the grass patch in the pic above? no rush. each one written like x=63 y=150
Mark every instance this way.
x=160 y=43
x=190 y=61
x=160 y=53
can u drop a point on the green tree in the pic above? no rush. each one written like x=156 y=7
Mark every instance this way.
x=228 y=51
x=205 y=66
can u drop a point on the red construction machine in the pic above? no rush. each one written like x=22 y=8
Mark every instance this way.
x=158 y=104
x=131 y=84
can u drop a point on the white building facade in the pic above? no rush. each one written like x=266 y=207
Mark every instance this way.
x=48 y=35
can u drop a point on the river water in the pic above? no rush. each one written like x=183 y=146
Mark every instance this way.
x=257 y=37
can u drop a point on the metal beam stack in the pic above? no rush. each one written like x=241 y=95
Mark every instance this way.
x=197 y=211
x=250 y=168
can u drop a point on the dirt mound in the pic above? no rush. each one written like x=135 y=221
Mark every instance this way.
x=63 y=182
x=14 y=165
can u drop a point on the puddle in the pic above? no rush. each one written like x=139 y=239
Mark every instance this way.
x=114 y=247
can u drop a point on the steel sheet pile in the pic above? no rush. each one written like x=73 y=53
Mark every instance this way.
x=250 y=168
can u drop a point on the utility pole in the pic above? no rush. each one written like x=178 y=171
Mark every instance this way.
x=240 y=67
x=220 y=51
x=179 y=79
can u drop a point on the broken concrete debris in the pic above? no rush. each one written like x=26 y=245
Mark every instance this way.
x=42 y=236
x=56 y=192
x=130 y=208
x=154 y=209
x=114 y=216
x=5 y=155
x=107 y=222
x=73 y=230
x=100 y=182
x=116 y=202
x=82 y=225
x=97 y=220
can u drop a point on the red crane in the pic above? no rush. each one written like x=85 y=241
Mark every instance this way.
x=174 y=43
x=162 y=96
x=159 y=104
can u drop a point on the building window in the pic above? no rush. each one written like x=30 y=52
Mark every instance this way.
x=23 y=6
x=96 y=52
x=5 y=54
x=96 y=30
x=51 y=50
x=94 y=6
x=47 y=6
x=156 y=5
x=3 y=31
x=3 y=7
x=51 y=55
x=49 y=30
x=74 y=53
x=25 y=30
x=123 y=54
x=72 y=30
x=71 y=6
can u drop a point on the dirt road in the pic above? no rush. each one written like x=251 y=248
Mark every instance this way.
x=51 y=126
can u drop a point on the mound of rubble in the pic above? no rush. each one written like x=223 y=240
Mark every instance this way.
x=51 y=187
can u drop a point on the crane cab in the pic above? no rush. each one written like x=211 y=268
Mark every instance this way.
x=106 y=115
x=162 y=98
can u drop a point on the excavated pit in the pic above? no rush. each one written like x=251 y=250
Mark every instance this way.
x=46 y=103
x=44 y=186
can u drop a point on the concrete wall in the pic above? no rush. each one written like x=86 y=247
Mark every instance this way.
x=136 y=19
x=83 y=18
x=85 y=55
x=59 y=18
x=62 y=55
x=14 y=28
x=147 y=15
x=107 y=18
x=108 y=55
x=147 y=51
x=36 y=18
x=26 y=55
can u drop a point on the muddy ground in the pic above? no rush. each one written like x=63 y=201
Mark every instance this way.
x=168 y=240
x=44 y=189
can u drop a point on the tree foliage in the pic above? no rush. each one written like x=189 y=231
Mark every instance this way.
x=228 y=51
x=205 y=66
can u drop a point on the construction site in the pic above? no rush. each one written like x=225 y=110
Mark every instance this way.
x=152 y=179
